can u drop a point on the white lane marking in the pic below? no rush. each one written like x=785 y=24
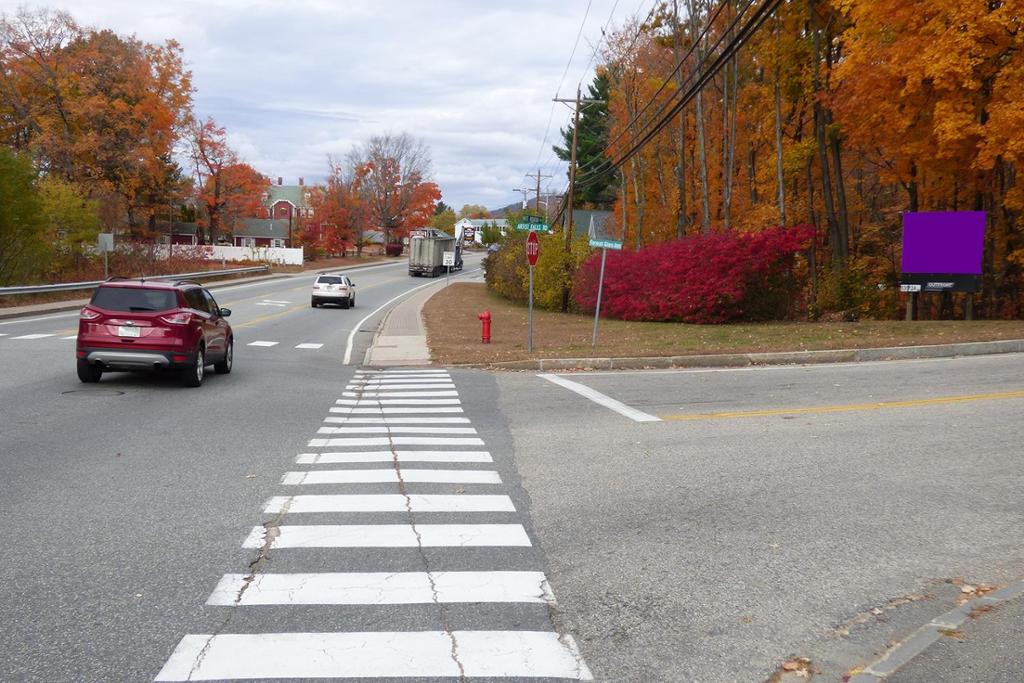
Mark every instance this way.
x=393 y=410
x=263 y=343
x=40 y=320
x=352 y=334
x=392 y=536
x=390 y=476
x=387 y=429
x=33 y=336
x=389 y=456
x=399 y=402
x=398 y=387
x=601 y=399
x=397 y=394
x=378 y=588
x=69 y=338
x=387 y=503
x=398 y=420
x=3 y=334
x=269 y=303
x=277 y=301
x=414 y=654
x=396 y=440
x=310 y=346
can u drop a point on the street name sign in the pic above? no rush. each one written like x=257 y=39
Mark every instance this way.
x=605 y=244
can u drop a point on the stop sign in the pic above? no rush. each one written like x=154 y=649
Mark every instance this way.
x=532 y=248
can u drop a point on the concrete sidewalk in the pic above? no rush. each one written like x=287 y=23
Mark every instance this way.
x=402 y=337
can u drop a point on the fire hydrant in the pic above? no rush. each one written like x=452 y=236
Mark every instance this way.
x=485 y=317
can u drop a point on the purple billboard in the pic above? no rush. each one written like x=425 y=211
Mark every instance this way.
x=947 y=242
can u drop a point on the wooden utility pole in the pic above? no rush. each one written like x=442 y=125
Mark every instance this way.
x=537 y=176
x=578 y=103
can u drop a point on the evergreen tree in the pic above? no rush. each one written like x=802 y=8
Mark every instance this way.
x=595 y=189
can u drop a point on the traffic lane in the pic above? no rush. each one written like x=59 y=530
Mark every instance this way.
x=715 y=550
x=226 y=294
x=124 y=502
x=676 y=393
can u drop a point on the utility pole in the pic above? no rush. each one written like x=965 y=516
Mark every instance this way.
x=526 y=194
x=578 y=103
x=537 y=176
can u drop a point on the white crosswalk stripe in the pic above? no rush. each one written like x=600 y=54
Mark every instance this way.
x=390 y=476
x=482 y=654
x=385 y=421
x=379 y=588
x=392 y=456
x=387 y=503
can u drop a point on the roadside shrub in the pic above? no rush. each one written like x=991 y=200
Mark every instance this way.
x=701 y=279
x=393 y=249
x=506 y=271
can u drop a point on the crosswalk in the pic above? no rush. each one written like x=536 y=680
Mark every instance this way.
x=445 y=535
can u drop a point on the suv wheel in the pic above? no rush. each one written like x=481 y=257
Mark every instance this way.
x=87 y=372
x=224 y=367
x=313 y=303
x=344 y=303
x=193 y=374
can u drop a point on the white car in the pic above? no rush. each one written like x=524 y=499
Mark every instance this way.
x=333 y=289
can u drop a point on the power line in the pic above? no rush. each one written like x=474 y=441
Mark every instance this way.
x=551 y=115
x=685 y=97
x=736 y=41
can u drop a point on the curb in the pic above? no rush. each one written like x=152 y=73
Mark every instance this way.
x=734 y=360
x=921 y=639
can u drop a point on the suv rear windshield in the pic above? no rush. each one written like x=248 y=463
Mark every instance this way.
x=329 y=280
x=134 y=299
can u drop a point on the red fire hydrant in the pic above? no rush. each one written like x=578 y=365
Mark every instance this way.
x=485 y=317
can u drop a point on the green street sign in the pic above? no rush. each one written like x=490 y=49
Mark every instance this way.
x=605 y=244
x=537 y=227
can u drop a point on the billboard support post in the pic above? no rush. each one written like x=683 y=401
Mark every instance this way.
x=910 y=306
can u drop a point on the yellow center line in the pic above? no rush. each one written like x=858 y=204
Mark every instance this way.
x=818 y=410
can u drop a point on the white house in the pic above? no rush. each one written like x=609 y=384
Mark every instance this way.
x=473 y=227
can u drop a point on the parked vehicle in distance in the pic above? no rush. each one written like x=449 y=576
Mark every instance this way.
x=333 y=289
x=426 y=252
x=158 y=324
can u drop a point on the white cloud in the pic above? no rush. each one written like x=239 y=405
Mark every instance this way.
x=293 y=81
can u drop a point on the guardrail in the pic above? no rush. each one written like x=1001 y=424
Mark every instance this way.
x=74 y=286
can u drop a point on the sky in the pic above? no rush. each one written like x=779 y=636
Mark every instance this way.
x=295 y=80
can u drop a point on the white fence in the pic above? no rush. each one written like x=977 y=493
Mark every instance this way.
x=279 y=255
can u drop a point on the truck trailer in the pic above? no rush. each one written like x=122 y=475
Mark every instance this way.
x=426 y=252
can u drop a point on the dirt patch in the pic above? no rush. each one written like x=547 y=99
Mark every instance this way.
x=453 y=333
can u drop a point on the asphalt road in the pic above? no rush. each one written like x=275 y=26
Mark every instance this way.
x=125 y=502
x=819 y=511
x=714 y=548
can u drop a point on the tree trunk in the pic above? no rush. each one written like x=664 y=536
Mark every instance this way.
x=677 y=35
x=838 y=258
x=780 y=179
x=701 y=147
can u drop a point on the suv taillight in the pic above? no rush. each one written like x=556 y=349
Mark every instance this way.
x=88 y=314
x=177 y=318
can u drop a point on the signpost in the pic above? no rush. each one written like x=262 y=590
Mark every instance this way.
x=604 y=246
x=532 y=252
x=105 y=242
x=448 y=260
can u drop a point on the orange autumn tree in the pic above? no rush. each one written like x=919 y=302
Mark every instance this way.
x=395 y=186
x=228 y=190
x=96 y=109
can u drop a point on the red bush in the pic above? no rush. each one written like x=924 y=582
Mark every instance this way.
x=393 y=249
x=702 y=279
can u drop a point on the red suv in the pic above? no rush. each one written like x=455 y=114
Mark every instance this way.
x=153 y=325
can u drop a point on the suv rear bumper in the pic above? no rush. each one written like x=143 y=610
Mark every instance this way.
x=113 y=359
